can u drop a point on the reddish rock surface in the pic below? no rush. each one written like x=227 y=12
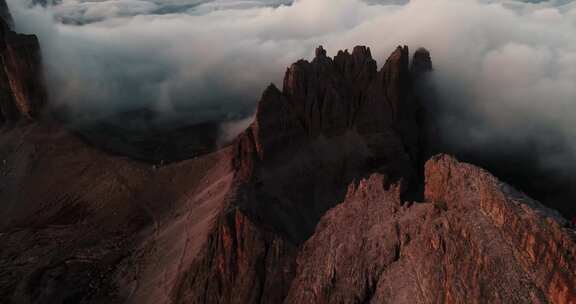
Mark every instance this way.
x=22 y=91
x=473 y=240
x=307 y=206
x=79 y=225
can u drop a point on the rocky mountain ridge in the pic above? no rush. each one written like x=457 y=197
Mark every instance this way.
x=323 y=199
x=300 y=135
x=472 y=240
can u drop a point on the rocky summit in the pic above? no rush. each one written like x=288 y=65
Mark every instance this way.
x=334 y=121
x=473 y=239
x=329 y=196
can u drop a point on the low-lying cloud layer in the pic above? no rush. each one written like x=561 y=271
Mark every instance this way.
x=505 y=70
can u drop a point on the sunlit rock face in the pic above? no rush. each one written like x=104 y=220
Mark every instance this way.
x=474 y=239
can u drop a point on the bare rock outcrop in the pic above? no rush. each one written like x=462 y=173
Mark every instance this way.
x=295 y=162
x=307 y=206
x=474 y=240
x=334 y=120
x=241 y=263
x=22 y=90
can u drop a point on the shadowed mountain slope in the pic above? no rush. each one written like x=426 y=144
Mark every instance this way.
x=313 y=203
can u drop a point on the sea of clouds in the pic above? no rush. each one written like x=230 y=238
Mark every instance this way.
x=505 y=71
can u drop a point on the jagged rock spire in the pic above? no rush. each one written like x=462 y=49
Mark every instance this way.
x=327 y=97
x=421 y=62
x=361 y=118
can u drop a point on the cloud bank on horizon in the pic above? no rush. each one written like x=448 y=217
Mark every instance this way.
x=508 y=66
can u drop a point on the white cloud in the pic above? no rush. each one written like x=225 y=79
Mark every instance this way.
x=511 y=64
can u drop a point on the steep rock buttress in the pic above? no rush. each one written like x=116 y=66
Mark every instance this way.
x=22 y=90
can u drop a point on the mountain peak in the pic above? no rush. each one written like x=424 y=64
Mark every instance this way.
x=309 y=205
x=328 y=97
x=341 y=115
x=421 y=62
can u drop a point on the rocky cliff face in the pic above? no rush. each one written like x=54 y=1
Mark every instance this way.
x=326 y=98
x=373 y=246
x=321 y=200
x=307 y=143
x=473 y=240
x=333 y=121
x=22 y=91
